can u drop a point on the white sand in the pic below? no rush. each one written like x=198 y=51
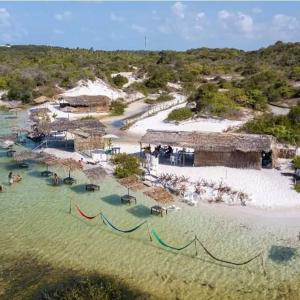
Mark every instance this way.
x=156 y=122
x=266 y=188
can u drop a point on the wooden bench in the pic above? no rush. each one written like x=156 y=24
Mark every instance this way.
x=69 y=180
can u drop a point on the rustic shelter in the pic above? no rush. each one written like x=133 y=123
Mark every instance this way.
x=85 y=104
x=86 y=134
x=217 y=149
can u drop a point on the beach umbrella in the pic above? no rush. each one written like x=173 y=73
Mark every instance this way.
x=95 y=174
x=71 y=165
x=26 y=155
x=48 y=160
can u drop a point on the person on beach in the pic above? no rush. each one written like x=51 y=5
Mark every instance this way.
x=1 y=188
x=10 y=178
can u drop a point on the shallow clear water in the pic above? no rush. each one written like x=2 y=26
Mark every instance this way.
x=34 y=220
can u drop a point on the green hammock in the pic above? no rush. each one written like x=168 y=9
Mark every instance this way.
x=168 y=246
x=120 y=230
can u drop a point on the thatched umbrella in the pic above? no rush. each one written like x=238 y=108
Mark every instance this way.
x=70 y=165
x=22 y=156
x=48 y=160
x=94 y=175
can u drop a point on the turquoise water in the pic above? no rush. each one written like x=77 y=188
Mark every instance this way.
x=34 y=220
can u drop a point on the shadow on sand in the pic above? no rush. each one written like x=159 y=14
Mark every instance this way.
x=140 y=211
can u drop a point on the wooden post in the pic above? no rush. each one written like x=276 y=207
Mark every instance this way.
x=148 y=229
x=195 y=243
x=70 y=207
x=263 y=264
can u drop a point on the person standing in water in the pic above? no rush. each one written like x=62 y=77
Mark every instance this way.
x=10 y=178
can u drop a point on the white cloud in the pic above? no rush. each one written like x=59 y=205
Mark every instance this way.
x=256 y=10
x=5 y=19
x=116 y=18
x=284 y=22
x=178 y=10
x=64 y=16
x=237 y=22
x=138 y=28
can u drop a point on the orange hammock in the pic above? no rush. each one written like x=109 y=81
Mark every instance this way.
x=84 y=215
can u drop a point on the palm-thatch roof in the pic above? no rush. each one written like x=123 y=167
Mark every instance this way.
x=63 y=124
x=95 y=174
x=30 y=155
x=85 y=101
x=210 y=141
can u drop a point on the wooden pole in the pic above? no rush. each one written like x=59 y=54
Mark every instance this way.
x=70 y=207
x=195 y=243
x=263 y=264
x=148 y=229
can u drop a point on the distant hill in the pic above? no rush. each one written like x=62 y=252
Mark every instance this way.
x=28 y=71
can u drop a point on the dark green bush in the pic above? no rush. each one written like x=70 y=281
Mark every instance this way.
x=117 y=107
x=126 y=165
x=296 y=162
x=280 y=127
x=180 y=114
x=119 y=80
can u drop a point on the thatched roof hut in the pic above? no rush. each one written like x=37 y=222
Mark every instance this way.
x=212 y=149
x=63 y=124
x=86 y=103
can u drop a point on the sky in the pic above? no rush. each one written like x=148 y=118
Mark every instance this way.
x=166 y=25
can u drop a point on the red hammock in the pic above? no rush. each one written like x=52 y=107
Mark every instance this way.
x=84 y=215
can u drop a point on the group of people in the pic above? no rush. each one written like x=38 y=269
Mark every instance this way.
x=158 y=149
x=12 y=178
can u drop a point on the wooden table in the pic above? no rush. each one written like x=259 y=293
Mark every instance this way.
x=92 y=187
x=159 y=210
x=46 y=173
x=69 y=180
x=128 y=199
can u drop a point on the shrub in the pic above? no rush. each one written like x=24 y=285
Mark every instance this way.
x=279 y=126
x=164 y=97
x=180 y=114
x=296 y=162
x=88 y=118
x=297 y=187
x=117 y=107
x=119 y=80
x=126 y=165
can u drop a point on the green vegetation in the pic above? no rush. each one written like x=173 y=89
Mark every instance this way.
x=297 y=187
x=164 y=97
x=119 y=80
x=180 y=114
x=30 y=71
x=126 y=165
x=284 y=128
x=296 y=162
x=88 y=118
x=210 y=101
x=117 y=107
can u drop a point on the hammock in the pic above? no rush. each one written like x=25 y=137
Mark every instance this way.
x=168 y=246
x=226 y=261
x=84 y=215
x=120 y=230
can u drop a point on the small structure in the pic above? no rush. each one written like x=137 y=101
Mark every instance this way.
x=85 y=134
x=217 y=149
x=128 y=199
x=158 y=210
x=85 y=103
x=94 y=175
